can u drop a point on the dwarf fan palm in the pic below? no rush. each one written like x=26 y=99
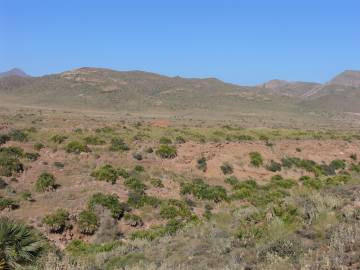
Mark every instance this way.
x=19 y=245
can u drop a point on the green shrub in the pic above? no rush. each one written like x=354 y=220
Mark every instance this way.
x=59 y=165
x=32 y=156
x=204 y=191
x=355 y=167
x=249 y=233
x=133 y=220
x=338 y=180
x=93 y=140
x=10 y=165
x=256 y=159
x=338 y=164
x=353 y=156
x=165 y=140
x=26 y=195
x=81 y=248
x=118 y=144
x=273 y=166
x=123 y=173
x=168 y=211
x=286 y=212
x=279 y=181
x=232 y=180
x=139 y=168
x=226 y=168
x=180 y=140
x=307 y=165
x=156 y=182
x=201 y=164
x=171 y=227
x=4 y=138
x=58 y=221
x=134 y=183
x=76 y=147
x=311 y=182
x=45 y=182
x=110 y=202
x=38 y=146
x=137 y=156
x=6 y=203
x=149 y=150
x=12 y=151
x=58 y=138
x=175 y=208
x=166 y=151
x=88 y=222
x=18 y=135
x=106 y=173
x=138 y=199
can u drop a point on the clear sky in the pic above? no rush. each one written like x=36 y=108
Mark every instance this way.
x=243 y=41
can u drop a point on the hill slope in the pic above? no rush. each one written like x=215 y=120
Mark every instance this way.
x=144 y=92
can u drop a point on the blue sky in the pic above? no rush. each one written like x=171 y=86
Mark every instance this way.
x=245 y=42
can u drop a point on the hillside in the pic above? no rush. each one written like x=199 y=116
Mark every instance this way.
x=14 y=72
x=141 y=92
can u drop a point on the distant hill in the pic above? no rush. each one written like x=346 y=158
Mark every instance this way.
x=349 y=78
x=292 y=89
x=137 y=91
x=14 y=72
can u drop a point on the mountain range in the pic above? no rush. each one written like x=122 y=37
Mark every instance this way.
x=137 y=91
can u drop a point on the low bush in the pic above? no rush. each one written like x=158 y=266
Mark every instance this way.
x=110 y=202
x=284 y=248
x=156 y=182
x=76 y=147
x=139 y=168
x=134 y=183
x=175 y=208
x=226 y=168
x=273 y=166
x=12 y=151
x=88 y=222
x=45 y=182
x=18 y=135
x=310 y=182
x=4 y=138
x=133 y=220
x=337 y=180
x=279 y=181
x=165 y=140
x=6 y=203
x=204 y=191
x=10 y=165
x=58 y=221
x=137 y=156
x=93 y=140
x=106 y=173
x=201 y=164
x=180 y=140
x=59 y=165
x=38 y=146
x=58 y=138
x=138 y=199
x=32 y=156
x=166 y=151
x=337 y=164
x=256 y=159
x=353 y=156
x=118 y=144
